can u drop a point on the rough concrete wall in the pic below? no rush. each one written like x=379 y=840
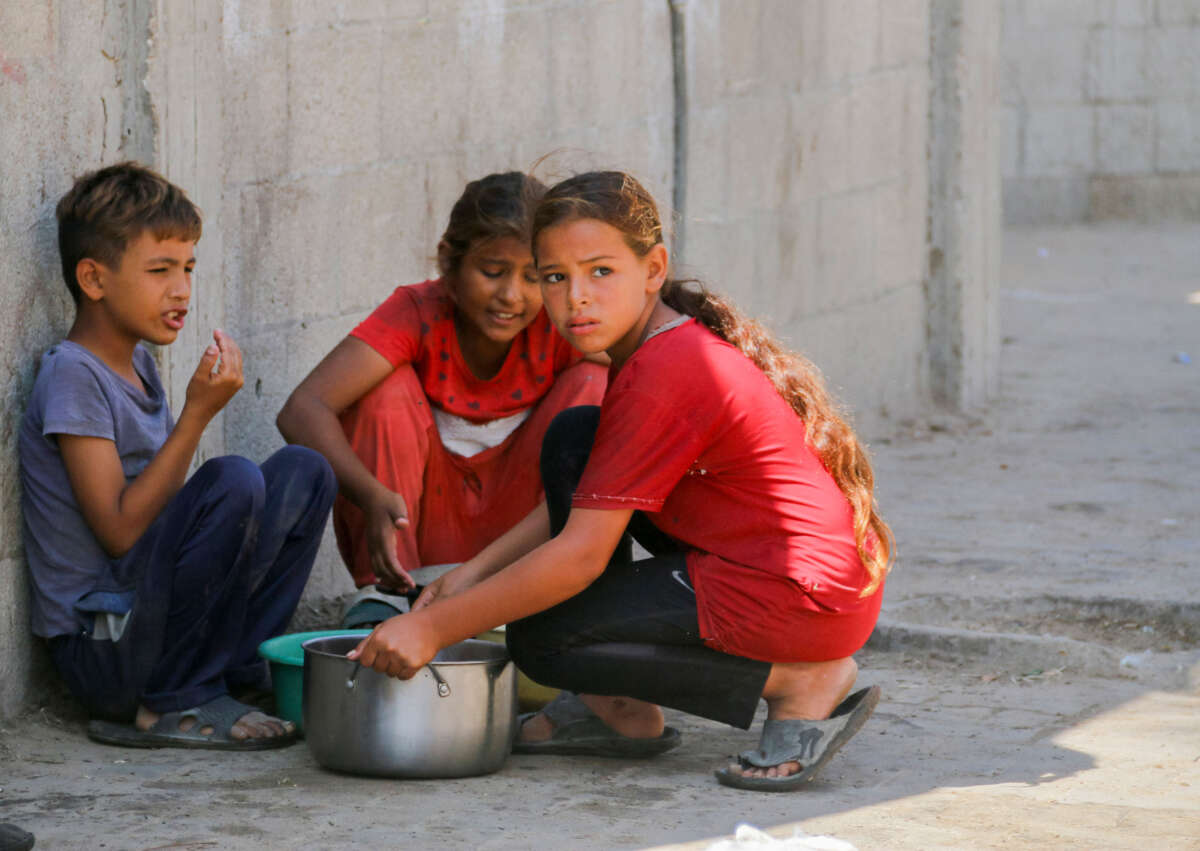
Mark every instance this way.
x=69 y=100
x=1101 y=109
x=326 y=142
x=964 y=205
x=339 y=175
x=805 y=180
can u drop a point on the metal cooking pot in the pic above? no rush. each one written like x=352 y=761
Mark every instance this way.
x=455 y=718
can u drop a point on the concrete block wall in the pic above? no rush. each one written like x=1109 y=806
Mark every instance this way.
x=804 y=182
x=65 y=105
x=1100 y=110
x=325 y=143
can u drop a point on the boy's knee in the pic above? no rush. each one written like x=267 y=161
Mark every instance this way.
x=237 y=481
x=304 y=468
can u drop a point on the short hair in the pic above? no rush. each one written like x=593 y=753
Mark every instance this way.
x=108 y=208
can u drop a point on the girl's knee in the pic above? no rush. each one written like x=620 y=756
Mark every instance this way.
x=532 y=649
x=570 y=435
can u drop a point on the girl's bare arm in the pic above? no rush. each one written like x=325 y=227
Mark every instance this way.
x=310 y=415
x=555 y=571
x=310 y=418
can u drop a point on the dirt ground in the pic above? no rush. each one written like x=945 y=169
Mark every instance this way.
x=1039 y=650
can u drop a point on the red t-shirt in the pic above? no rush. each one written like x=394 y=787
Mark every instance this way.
x=416 y=325
x=692 y=433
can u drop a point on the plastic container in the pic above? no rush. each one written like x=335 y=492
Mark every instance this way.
x=286 y=657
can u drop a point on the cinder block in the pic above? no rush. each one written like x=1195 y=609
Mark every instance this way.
x=1130 y=13
x=258 y=140
x=914 y=120
x=901 y=217
x=758 y=148
x=1045 y=200
x=707 y=158
x=1124 y=139
x=27 y=30
x=792 y=53
x=740 y=47
x=830 y=140
x=506 y=79
x=1058 y=141
x=903 y=32
x=845 y=249
x=1177 y=136
x=1171 y=61
x=1061 y=14
x=1176 y=12
x=1116 y=64
x=421 y=57
x=871 y=355
x=851 y=29
x=334 y=98
x=1008 y=120
x=1050 y=66
x=876 y=131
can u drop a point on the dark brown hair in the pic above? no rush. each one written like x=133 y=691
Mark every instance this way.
x=619 y=200
x=495 y=206
x=108 y=208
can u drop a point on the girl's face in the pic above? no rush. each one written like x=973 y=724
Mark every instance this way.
x=495 y=289
x=598 y=292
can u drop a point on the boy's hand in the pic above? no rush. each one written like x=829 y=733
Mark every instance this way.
x=384 y=516
x=398 y=647
x=211 y=389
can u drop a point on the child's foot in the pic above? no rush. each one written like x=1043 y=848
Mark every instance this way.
x=596 y=726
x=807 y=691
x=628 y=717
x=253 y=725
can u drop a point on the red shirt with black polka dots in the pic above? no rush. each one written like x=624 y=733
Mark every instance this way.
x=416 y=326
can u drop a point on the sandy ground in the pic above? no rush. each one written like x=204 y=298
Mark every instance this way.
x=1039 y=651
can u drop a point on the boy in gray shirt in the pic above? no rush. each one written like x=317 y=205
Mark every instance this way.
x=154 y=592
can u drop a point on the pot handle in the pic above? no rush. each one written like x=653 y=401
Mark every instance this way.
x=443 y=687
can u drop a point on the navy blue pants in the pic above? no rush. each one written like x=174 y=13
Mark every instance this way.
x=219 y=571
x=634 y=631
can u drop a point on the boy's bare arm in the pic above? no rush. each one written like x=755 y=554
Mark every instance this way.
x=119 y=512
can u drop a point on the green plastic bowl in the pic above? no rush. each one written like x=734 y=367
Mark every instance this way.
x=286 y=657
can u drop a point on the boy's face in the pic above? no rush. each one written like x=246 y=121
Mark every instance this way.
x=146 y=297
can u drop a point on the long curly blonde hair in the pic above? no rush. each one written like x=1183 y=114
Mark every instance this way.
x=619 y=200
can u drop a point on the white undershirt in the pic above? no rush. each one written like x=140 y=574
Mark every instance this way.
x=465 y=438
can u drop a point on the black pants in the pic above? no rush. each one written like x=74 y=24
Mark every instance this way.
x=633 y=632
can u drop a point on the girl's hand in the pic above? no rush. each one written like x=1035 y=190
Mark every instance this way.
x=398 y=647
x=384 y=516
x=447 y=585
x=211 y=389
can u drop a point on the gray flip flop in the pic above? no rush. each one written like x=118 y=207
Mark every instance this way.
x=579 y=731
x=13 y=838
x=810 y=743
x=220 y=714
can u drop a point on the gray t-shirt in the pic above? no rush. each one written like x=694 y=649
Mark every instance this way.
x=76 y=393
